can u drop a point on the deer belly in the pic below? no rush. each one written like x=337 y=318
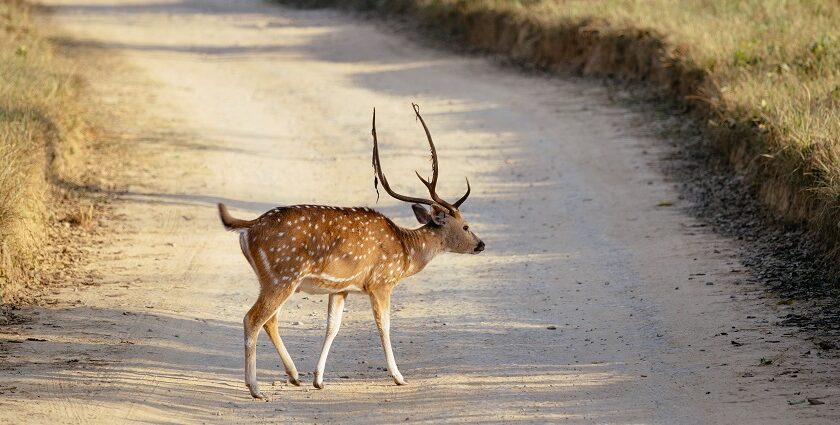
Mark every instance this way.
x=325 y=285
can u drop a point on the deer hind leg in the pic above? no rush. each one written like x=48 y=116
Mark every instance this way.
x=268 y=302
x=271 y=328
x=334 y=313
x=381 y=303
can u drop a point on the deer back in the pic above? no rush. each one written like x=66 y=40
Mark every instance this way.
x=326 y=249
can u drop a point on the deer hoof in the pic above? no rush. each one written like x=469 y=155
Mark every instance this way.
x=255 y=392
x=294 y=381
x=400 y=381
x=318 y=382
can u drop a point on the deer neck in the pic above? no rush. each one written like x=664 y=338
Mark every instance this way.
x=421 y=246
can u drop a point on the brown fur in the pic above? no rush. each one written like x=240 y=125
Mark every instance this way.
x=332 y=250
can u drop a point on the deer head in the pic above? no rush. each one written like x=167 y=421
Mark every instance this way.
x=444 y=219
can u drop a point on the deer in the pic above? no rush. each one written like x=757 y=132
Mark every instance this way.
x=336 y=251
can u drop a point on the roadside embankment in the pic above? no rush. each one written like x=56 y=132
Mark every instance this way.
x=44 y=159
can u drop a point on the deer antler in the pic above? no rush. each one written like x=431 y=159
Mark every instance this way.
x=430 y=185
x=378 y=168
x=463 y=198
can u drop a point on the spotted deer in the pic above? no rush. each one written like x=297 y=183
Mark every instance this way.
x=330 y=250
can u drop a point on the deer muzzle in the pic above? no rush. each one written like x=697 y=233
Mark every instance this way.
x=479 y=247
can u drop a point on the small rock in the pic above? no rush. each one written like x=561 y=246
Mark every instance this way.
x=827 y=345
x=551 y=327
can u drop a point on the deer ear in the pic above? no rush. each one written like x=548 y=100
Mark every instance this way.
x=421 y=213
x=438 y=215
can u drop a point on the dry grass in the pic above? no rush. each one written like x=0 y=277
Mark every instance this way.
x=763 y=74
x=82 y=216
x=770 y=64
x=40 y=140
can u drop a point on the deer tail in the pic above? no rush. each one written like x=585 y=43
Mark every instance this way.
x=231 y=223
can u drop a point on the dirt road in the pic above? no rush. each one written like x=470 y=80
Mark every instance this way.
x=256 y=105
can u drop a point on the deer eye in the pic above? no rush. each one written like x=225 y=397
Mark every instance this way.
x=466 y=227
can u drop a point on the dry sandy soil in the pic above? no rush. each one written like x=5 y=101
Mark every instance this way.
x=256 y=105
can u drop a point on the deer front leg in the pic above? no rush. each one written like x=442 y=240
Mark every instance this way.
x=334 y=313
x=380 y=300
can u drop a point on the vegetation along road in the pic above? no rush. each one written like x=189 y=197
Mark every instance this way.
x=597 y=300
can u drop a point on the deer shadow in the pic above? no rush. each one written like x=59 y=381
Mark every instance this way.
x=164 y=360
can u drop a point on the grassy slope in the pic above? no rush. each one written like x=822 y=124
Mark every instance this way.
x=770 y=65
x=763 y=74
x=40 y=144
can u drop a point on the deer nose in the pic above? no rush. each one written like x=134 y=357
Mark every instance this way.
x=480 y=247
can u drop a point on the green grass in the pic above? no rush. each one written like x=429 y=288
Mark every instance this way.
x=40 y=141
x=764 y=75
